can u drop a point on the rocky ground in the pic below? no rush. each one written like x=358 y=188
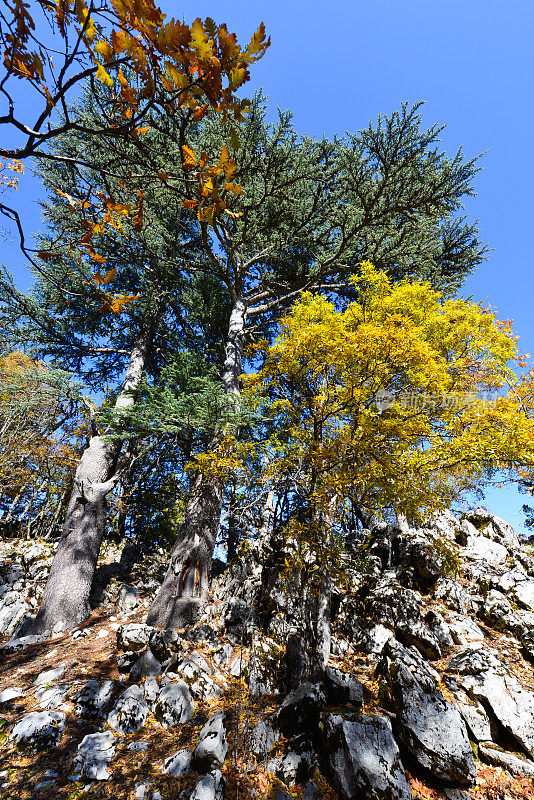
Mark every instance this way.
x=429 y=692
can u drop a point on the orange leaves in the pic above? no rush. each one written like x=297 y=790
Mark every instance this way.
x=16 y=168
x=108 y=278
x=116 y=303
x=213 y=184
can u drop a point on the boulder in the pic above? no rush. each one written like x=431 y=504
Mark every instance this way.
x=13 y=608
x=262 y=738
x=293 y=766
x=94 y=753
x=134 y=636
x=174 y=704
x=453 y=595
x=94 y=699
x=39 y=729
x=363 y=759
x=177 y=764
x=523 y=593
x=210 y=787
x=493 y=527
x=487 y=680
x=145 y=666
x=301 y=709
x=428 y=725
x=497 y=611
x=342 y=688
x=514 y=763
x=210 y=752
x=49 y=676
x=464 y=630
x=127 y=597
x=480 y=548
x=129 y=712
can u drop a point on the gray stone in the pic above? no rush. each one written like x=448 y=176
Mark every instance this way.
x=453 y=595
x=480 y=548
x=445 y=523
x=49 y=676
x=497 y=611
x=210 y=752
x=94 y=753
x=165 y=644
x=127 y=597
x=51 y=696
x=487 y=680
x=429 y=726
x=13 y=608
x=514 y=763
x=94 y=699
x=301 y=709
x=39 y=729
x=134 y=636
x=178 y=764
x=7 y=695
x=262 y=738
x=174 y=704
x=129 y=712
x=464 y=630
x=292 y=767
x=374 y=640
x=210 y=787
x=364 y=760
x=524 y=594
x=146 y=666
x=342 y=688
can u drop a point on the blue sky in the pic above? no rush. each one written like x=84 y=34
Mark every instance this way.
x=339 y=65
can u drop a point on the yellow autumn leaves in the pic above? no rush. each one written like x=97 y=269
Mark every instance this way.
x=455 y=413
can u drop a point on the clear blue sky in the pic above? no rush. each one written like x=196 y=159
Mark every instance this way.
x=338 y=65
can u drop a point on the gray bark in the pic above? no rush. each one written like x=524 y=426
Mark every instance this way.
x=185 y=588
x=65 y=601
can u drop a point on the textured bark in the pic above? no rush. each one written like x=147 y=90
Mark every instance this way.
x=185 y=588
x=65 y=601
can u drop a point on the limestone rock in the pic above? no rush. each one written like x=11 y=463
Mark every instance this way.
x=39 y=729
x=261 y=739
x=134 y=636
x=174 y=704
x=94 y=753
x=342 y=688
x=301 y=709
x=94 y=699
x=210 y=787
x=177 y=764
x=210 y=752
x=13 y=608
x=364 y=760
x=129 y=712
x=514 y=763
x=428 y=725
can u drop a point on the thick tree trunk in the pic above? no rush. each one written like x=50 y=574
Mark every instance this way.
x=184 y=590
x=65 y=601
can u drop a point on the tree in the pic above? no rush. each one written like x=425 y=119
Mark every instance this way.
x=308 y=213
x=401 y=403
x=71 y=318
x=40 y=426
x=55 y=48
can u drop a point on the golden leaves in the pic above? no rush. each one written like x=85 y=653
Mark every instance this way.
x=213 y=184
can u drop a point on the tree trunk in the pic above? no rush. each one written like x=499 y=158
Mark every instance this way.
x=65 y=601
x=185 y=588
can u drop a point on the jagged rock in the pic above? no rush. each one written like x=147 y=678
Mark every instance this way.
x=134 y=636
x=480 y=548
x=204 y=634
x=129 y=712
x=342 y=688
x=210 y=787
x=125 y=661
x=51 y=696
x=523 y=593
x=487 y=680
x=374 y=639
x=445 y=523
x=94 y=699
x=33 y=553
x=527 y=644
x=7 y=695
x=21 y=643
x=464 y=630
x=493 y=527
x=428 y=725
x=238 y=619
x=301 y=709
x=261 y=739
x=292 y=767
x=453 y=595
x=364 y=760
x=39 y=729
x=223 y=655
x=399 y=608
x=13 y=608
x=264 y=668
x=145 y=666
x=497 y=611
x=178 y=764
x=475 y=717
x=204 y=688
x=165 y=644
x=514 y=763
x=174 y=704
x=94 y=753
x=210 y=752
x=49 y=676
x=127 y=597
